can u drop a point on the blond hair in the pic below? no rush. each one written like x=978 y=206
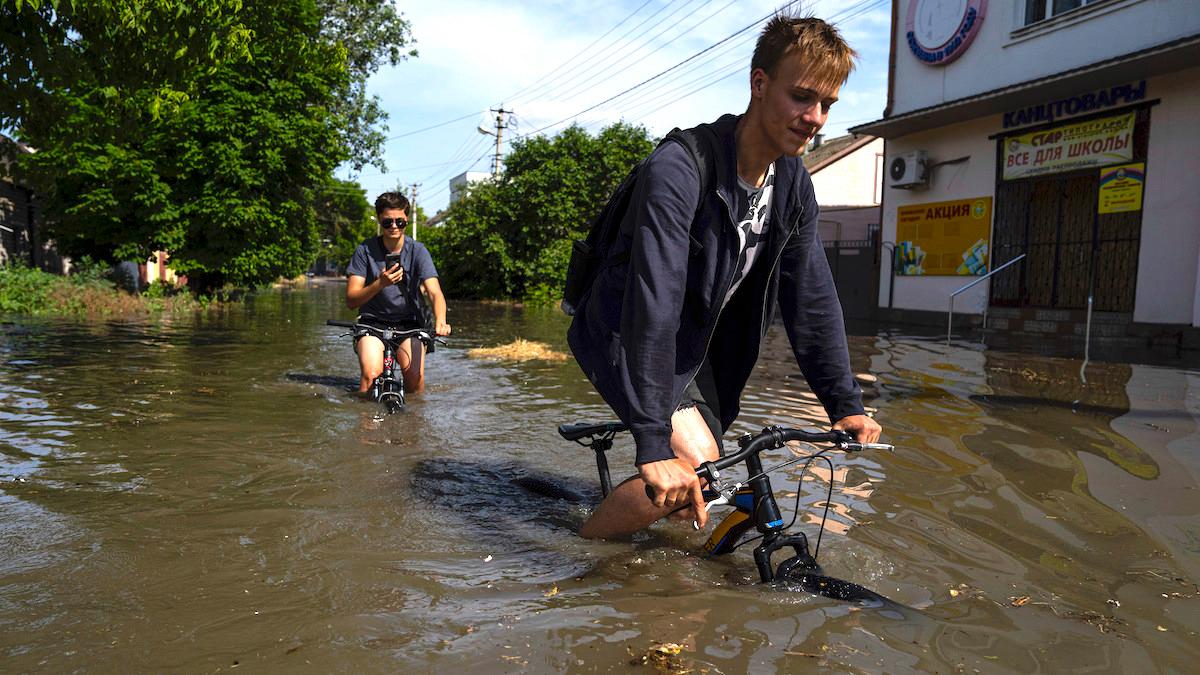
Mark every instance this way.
x=827 y=57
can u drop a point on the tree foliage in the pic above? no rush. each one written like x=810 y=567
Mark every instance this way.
x=208 y=128
x=520 y=227
x=345 y=220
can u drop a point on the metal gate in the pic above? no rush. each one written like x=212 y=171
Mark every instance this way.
x=855 y=267
x=1069 y=245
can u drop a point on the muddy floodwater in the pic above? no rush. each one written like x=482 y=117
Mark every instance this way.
x=202 y=495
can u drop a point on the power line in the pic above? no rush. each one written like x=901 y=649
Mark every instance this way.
x=600 y=53
x=540 y=80
x=655 y=77
x=626 y=50
x=434 y=126
x=641 y=57
x=650 y=97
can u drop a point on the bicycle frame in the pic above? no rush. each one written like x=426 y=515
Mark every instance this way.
x=754 y=504
x=388 y=387
x=767 y=519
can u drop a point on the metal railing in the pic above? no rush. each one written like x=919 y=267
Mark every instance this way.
x=950 y=314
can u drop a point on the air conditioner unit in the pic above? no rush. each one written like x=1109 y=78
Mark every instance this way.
x=908 y=170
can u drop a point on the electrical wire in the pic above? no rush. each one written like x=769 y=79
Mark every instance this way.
x=655 y=77
x=626 y=54
x=600 y=53
x=540 y=80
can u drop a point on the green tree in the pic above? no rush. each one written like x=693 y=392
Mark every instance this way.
x=345 y=219
x=208 y=128
x=520 y=227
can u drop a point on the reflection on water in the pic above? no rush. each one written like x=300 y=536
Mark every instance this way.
x=203 y=493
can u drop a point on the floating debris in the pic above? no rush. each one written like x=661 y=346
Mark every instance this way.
x=1105 y=624
x=518 y=350
x=663 y=657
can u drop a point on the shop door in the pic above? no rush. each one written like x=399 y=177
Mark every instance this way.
x=1053 y=220
x=1070 y=248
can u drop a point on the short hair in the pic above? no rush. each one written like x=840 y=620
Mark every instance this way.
x=391 y=200
x=826 y=54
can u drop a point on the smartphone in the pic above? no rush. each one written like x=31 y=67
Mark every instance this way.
x=391 y=261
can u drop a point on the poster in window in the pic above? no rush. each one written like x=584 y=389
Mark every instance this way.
x=944 y=238
x=1121 y=187
x=1069 y=147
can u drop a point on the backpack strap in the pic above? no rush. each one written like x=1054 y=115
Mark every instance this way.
x=701 y=144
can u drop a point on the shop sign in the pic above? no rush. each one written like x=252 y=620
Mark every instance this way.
x=1076 y=105
x=943 y=238
x=1073 y=146
x=1121 y=187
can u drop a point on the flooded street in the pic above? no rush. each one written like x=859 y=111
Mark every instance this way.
x=201 y=495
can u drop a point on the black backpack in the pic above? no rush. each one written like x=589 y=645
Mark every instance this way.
x=590 y=255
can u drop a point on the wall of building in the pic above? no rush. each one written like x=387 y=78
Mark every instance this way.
x=460 y=183
x=847 y=223
x=974 y=177
x=1168 y=287
x=1003 y=54
x=14 y=224
x=853 y=180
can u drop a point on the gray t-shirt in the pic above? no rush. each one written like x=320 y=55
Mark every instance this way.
x=395 y=302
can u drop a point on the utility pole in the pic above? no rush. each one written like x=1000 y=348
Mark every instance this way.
x=501 y=124
x=414 y=209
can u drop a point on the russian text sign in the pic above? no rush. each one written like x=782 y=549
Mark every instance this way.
x=1121 y=188
x=1073 y=146
x=943 y=238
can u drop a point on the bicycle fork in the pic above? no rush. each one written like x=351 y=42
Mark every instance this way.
x=770 y=524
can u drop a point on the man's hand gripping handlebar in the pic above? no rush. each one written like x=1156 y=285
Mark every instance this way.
x=686 y=492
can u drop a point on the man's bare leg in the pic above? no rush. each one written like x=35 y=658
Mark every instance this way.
x=627 y=509
x=370 y=361
x=411 y=357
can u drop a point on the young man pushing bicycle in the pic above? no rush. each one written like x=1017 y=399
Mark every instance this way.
x=386 y=295
x=670 y=329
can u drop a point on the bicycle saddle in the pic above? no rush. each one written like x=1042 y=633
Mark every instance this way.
x=578 y=430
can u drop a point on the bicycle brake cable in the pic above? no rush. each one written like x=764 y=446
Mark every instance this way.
x=796 y=508
x=794 y=460
x=828 y=499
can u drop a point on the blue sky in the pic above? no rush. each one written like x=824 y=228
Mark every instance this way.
x=553 y=60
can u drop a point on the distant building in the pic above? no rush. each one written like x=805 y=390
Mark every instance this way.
x=21 y=239
x=1064 y=131
x=847 y=174
x=459 y=184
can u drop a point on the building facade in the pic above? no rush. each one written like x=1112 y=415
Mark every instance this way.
x=460 y=183
x=1061 y=130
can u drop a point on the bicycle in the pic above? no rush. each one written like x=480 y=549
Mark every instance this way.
x=754 y=503
x=388 y=387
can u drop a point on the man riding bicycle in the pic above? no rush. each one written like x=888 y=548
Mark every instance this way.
x=670 y=329
x=386 y=276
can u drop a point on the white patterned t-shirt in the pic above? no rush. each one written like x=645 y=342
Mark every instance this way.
x=752 y=225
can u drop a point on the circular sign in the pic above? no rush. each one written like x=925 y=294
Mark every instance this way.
x=939 y=31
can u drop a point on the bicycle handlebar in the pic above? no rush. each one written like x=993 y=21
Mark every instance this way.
x=389 y=333
x=775 y=437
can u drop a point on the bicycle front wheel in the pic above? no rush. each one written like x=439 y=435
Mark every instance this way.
x=393 y=401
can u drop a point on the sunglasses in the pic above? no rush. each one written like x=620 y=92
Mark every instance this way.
x=393 y=222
